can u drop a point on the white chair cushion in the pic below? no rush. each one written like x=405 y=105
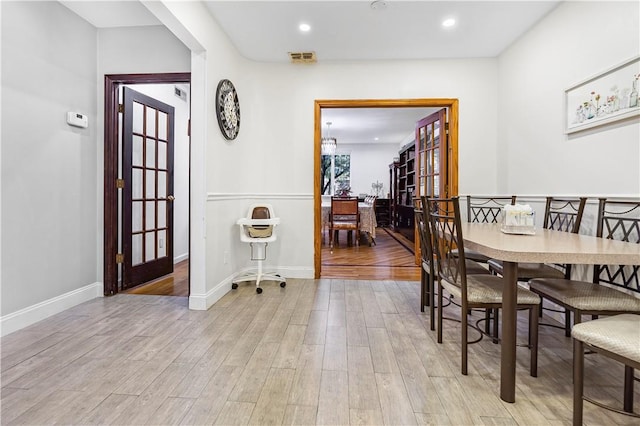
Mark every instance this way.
x=619 y=334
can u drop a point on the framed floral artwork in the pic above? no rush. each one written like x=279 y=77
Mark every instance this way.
x=607 y=97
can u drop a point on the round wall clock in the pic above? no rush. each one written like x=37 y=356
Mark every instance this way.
x=228 y=109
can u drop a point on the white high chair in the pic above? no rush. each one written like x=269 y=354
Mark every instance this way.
x=258 y=229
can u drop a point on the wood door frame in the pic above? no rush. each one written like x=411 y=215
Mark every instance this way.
x=450 y=103
x=110 y=245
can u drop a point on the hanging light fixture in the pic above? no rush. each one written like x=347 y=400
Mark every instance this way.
x=329 y=144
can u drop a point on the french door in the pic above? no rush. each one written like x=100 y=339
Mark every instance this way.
x=432 y=150
x=147 y=199
x=432 y=154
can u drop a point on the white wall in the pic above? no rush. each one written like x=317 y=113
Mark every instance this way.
x=370 y=164
x=575 y=41
x=49 y=210
x=52 y=222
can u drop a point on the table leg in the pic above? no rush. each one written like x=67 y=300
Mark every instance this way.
x=508 y=347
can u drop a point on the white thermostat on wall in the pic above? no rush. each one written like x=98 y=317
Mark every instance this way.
x=78 y=120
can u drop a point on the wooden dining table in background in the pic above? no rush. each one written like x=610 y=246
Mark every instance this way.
x=545 y=246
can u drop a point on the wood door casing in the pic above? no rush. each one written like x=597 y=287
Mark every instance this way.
x=112 y=82
x=452 y=159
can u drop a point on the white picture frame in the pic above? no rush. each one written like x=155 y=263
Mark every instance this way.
x=603 y=98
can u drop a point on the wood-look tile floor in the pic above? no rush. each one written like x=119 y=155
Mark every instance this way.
x=329 y=351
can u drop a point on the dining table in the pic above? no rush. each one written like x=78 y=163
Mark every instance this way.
x=367 y=213
x=544 y=246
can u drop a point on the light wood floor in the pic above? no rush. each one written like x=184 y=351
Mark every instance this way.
x=327 y=351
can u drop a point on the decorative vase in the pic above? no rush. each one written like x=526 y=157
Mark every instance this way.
x=633 y=96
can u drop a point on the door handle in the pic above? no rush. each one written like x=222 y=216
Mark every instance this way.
x=171 y=198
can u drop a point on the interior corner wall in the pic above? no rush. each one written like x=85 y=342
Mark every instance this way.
x=49 y=216
x=576 y=41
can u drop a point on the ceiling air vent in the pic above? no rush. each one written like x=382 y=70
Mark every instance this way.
x=303 y=57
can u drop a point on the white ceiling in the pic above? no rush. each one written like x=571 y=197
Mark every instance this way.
x=352 y=31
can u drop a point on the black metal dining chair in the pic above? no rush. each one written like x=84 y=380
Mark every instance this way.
x=473 y=291
x=605 y=295
x=617 y=338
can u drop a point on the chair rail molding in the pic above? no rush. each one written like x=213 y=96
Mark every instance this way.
x=216 y=196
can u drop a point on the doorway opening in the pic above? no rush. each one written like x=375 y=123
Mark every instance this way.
x=451 y=106
x=155 y=177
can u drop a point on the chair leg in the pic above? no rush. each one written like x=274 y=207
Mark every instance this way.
x=578 y=381
x=432 y=300
x=440 y=297
x=464 y=318
x=628 y=389
x=487 y=320
x=330 y=240
x=423 y=289
x=496 y=325
x=567 y=322
x=533 y=340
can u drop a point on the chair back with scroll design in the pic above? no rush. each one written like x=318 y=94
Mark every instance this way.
x=564 y=214
x=481 y=209
x=619 y=220
x=444 y=217
x=485 y=209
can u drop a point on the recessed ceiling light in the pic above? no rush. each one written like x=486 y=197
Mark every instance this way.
x=304 y=27
x=449 y=22
x=375 y=139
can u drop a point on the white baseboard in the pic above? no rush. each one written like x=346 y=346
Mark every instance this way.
x=202 y=302
x=34 y=313
x=180 y=258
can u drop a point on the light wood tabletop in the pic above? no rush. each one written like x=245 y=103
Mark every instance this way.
x=545 y=246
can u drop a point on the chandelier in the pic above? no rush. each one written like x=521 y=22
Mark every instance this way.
x=329 y=144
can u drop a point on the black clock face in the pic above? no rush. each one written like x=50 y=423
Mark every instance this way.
x=228 y=109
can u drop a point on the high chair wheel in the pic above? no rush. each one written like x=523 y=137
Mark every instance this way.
x=234 y=286
x=258 y=290
x=283 y=284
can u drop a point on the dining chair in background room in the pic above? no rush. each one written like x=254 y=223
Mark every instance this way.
x=616 y=337
x=473 y=291
x=560 y=214
x=617 y=220
x=343 y=216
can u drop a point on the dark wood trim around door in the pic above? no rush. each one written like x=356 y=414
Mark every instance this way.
x=111 y=84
